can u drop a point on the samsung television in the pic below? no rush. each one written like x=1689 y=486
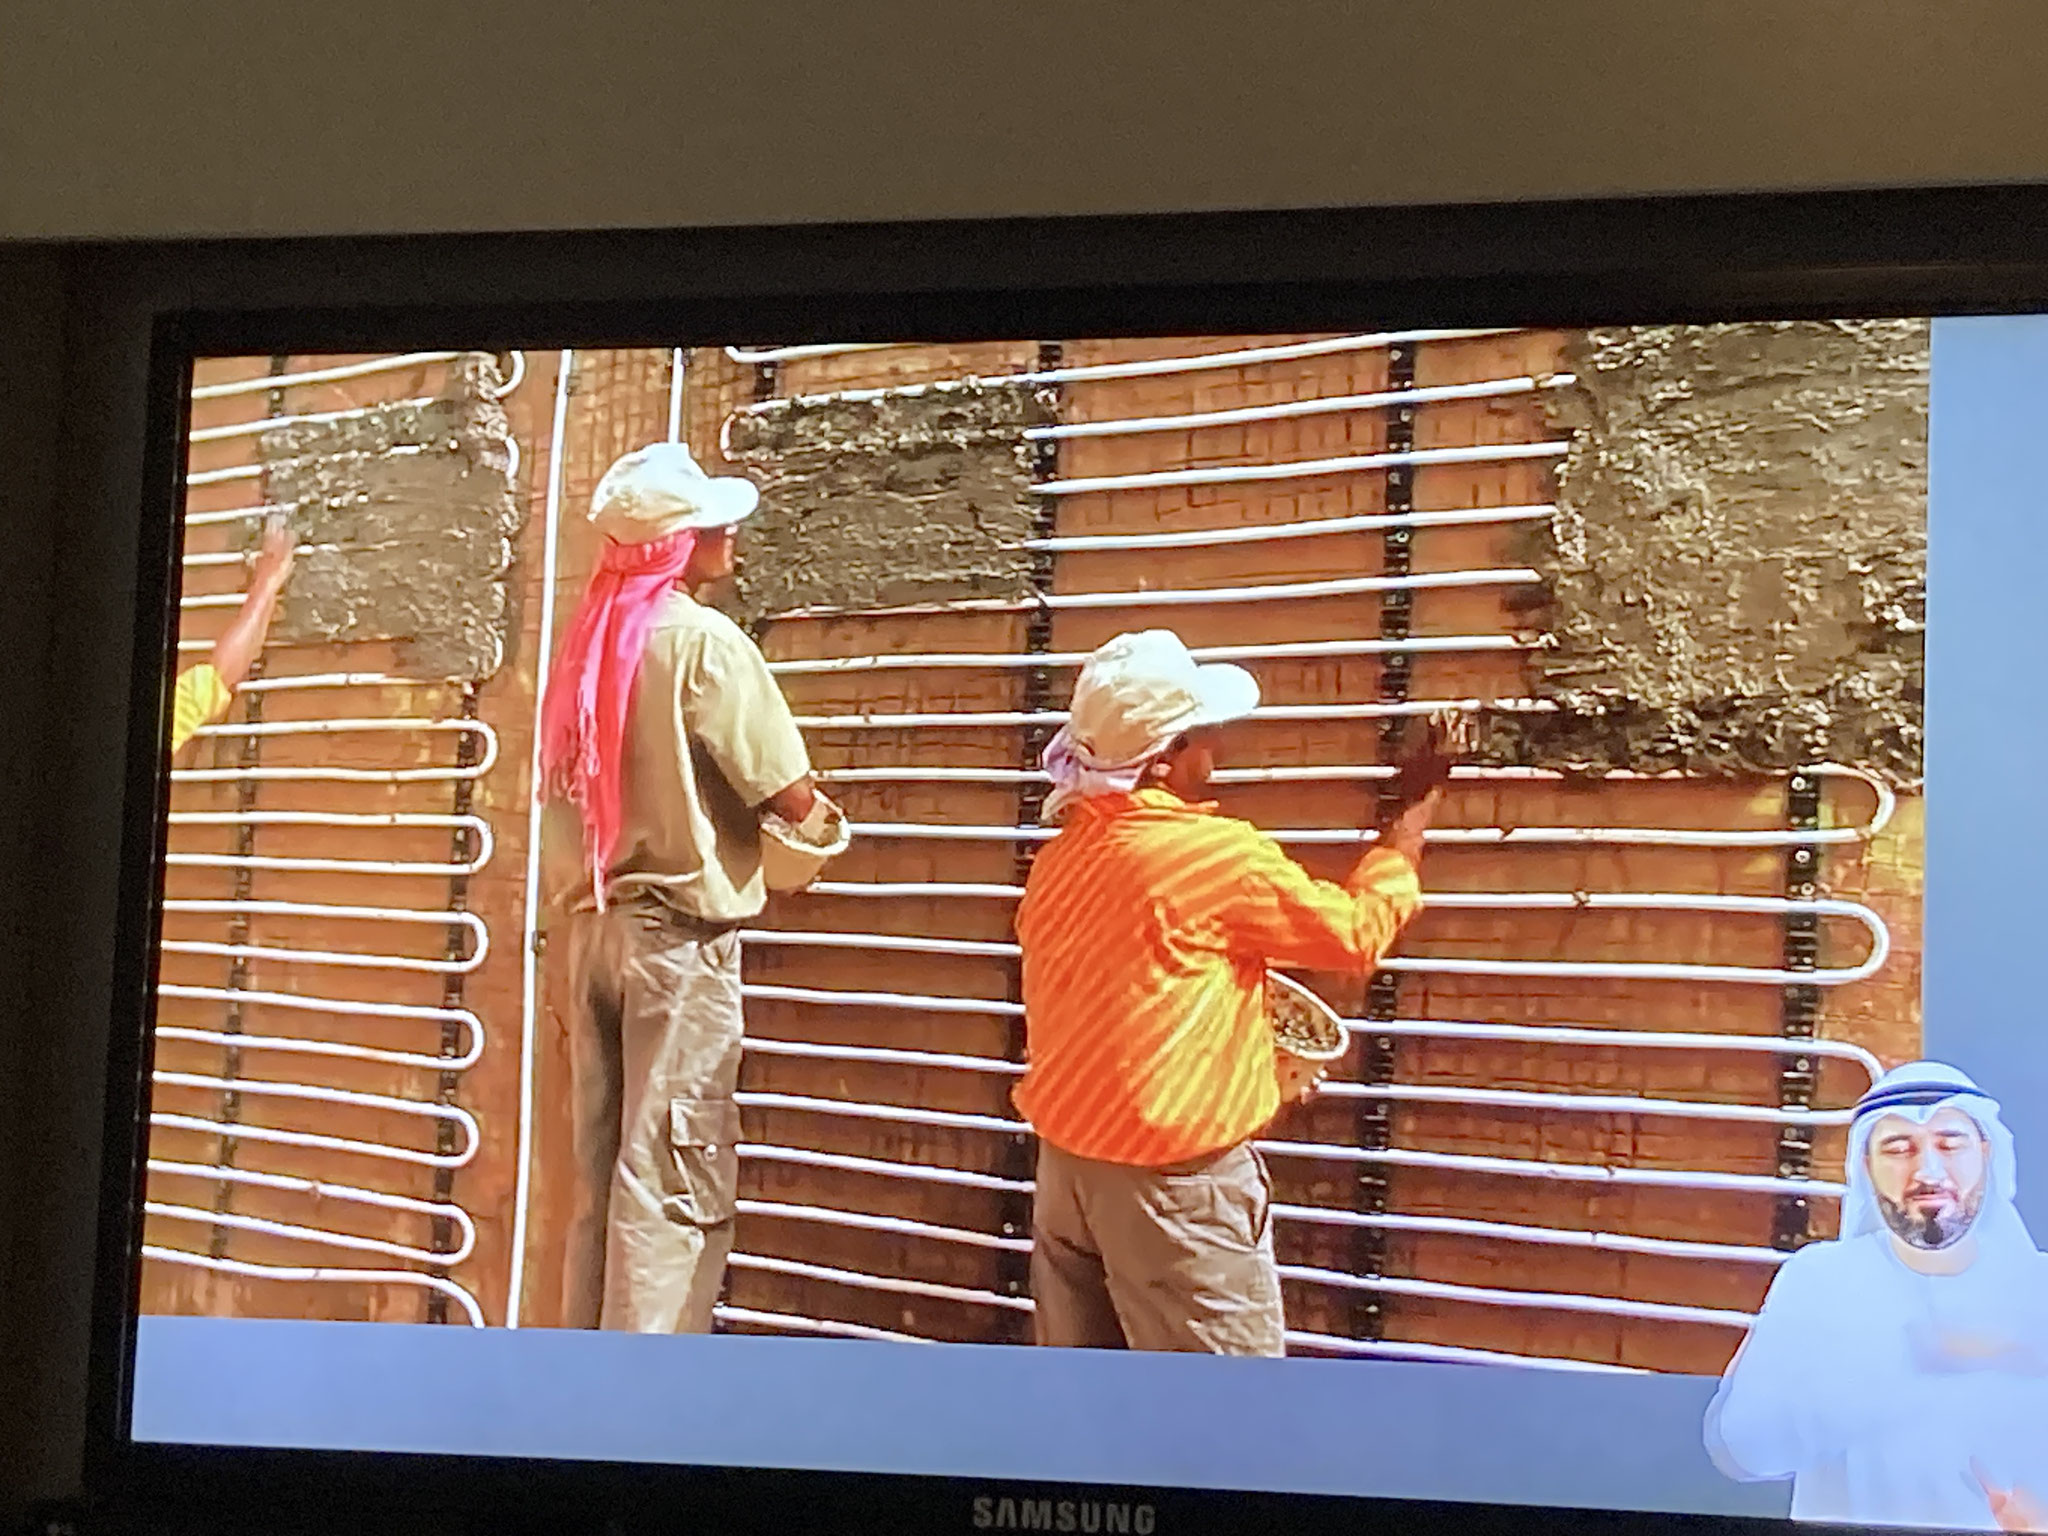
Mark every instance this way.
x=984 y=878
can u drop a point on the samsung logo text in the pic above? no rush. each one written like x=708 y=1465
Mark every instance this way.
x=1089 y=1517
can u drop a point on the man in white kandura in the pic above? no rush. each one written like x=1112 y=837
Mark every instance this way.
x=1899 y=1376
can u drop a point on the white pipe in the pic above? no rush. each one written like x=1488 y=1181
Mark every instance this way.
x=287 y=955
x=900 y=1225
x=236 y=1130
x=330 y=775
x=1586 y=1103
x=223 y=476
x=1264 y=533
x=1345 y=837
x=290 y=682
x=759 y=355
x=832 y=1327
x=517 y=378
x=348 y=1097
x=1322 y=405
x=911 y=943
x=1304 y=469
x=1191 y=597
x=321 y=1190
x=885 y=1055
x=310 y=418
x=242 y=1040
x=1457 y=1226
x=1244 y=357
x=529 y=959
x=1600 y=1036
x=270 y=381
x=480 y=936
x=322 y=866
x=1569 y=1173
x=242 y=1267
x=1541 y=1301
x=419 y=1012
x=942 y=1119
x=854 y=1277
x=1397 y=1349
x=804 y=1157
x=675 y=394
x=1009 y=717
x=912 y=660
x=481 y=728
x=292 y=1230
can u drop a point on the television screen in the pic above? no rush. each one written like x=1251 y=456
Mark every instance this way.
x=1322 y=913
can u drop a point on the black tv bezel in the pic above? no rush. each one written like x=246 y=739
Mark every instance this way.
x=1692 y=259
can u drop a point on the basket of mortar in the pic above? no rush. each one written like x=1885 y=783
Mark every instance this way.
x=1307 y=1035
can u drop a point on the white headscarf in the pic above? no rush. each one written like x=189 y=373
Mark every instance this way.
x=1914 y=1092
x=1075 y=776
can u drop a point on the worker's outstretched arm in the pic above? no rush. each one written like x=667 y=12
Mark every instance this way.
x=235 y=652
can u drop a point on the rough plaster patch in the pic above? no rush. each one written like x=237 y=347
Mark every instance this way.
x=1739 y=557
x=407 y=516
x=871 y=503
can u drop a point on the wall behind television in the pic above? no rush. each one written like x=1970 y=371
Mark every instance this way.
x=132 y=120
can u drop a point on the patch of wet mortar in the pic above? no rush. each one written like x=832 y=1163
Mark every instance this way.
x=406 y=515
x=1738 y=565
x=875 y=503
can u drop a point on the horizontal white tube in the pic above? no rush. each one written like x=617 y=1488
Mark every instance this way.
x=1397 y=1349
x=222 y=477
x=284 y=954
x=297 y=1045
x=1278 y=650
x=1516 y=1232
x=1402 y=709
x=1542 y=1301
x=856 y=1278
x=1311 y=528
x=1585 y=1103
x=478 y=828
x=758 y=355
x=1601 y=1036
x=1192 y=597
x=1322 y=405
x=312 y=1093
x=942 y=1119
x=914 y=1001
x=345 y=1275
x=269 y=381
x=911 y=943
x=235 y=1130
x=317 y=775
x=292 y=1230
x=901 y=1226
x=428 y=1013
x=804 y=1157
x=1345 y=837
x=830 y=1327
x=893 y=1056
x=1570 y=1173
x=293 y=681
x=306 y=419
x=323 y=1190
x=336 y=727
x=1241 y=357
x=1302 y=469
x=479 y=934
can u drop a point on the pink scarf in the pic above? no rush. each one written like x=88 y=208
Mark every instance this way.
x=583 y=717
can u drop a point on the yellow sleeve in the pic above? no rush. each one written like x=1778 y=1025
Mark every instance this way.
x=201 y=698
x=732 y=704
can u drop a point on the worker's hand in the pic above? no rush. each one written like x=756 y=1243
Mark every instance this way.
x=1425 y=764
x=2015 y=1509
x=1314 y=1086
x=273 y=563
x=1404 y=833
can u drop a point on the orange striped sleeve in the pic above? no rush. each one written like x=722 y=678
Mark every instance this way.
x=1289 y=918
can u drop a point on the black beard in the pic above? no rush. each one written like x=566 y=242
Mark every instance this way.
x=1936 y=1232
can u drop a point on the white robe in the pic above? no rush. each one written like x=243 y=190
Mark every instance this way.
x=1844 y=1387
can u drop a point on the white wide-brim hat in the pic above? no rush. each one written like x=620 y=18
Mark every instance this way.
x=660 y=490
x=1141 y=690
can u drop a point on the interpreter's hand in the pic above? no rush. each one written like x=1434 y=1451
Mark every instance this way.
x=273 y=563
x=2015 y=1509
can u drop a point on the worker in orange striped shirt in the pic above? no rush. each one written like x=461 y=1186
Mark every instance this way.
x=1147 y=925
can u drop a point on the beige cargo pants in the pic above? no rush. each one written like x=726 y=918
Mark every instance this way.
x=654 y=1040
x=1174 y=1258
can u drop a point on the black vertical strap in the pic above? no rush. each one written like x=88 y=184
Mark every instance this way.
x=462 y=848
x=1799 y=1009
x=767 y=380
x=1383 y=994
x=238 y=924
x=1038 y=695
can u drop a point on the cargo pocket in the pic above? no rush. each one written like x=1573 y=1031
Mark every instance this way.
x=703 y=1161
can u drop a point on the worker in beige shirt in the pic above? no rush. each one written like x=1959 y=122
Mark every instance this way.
x=678 y=793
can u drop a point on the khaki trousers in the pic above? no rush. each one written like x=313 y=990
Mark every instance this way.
x=1156 y=1258
x=654 y=1037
